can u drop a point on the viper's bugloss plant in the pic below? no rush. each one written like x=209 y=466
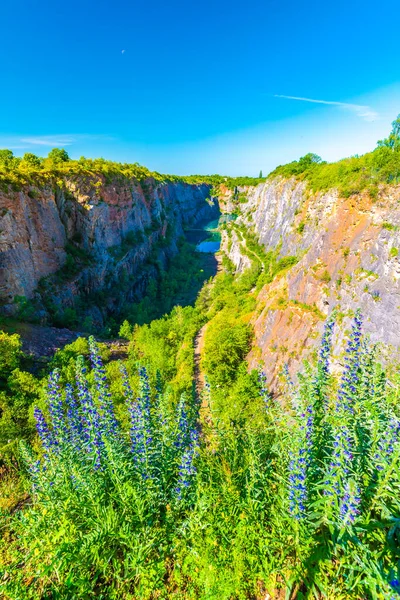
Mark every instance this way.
x=158 y=505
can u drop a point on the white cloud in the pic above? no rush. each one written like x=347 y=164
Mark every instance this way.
x=49 y=140
x=14 y=146
x=364 y=112
x=62 y=140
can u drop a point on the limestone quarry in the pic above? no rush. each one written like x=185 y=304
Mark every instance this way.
x=347 y=251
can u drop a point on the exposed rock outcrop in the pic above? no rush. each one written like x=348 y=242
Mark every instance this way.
x=348 y=257
x=68 y=242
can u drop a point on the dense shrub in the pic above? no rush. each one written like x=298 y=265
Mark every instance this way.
x=10 y=353
x=227 y=343
x=18 y=389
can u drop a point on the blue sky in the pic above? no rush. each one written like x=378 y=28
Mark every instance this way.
x=187 y=87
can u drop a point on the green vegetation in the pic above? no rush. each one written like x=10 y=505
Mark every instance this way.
x=350 y=175
x=301 y=227
x=132 y=239
x=325 y=277
x=59 y=167
x=235 y=182
x=176 y=285
x=166 y=345
x=389 y=226
x=18 y=390
x=135 y=494
x=265 y=264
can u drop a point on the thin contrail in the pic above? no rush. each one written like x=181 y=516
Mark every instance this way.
x=362 y=111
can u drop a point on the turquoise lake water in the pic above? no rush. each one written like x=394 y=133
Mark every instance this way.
x=207 y=237
x=212 y=242
x=213 y=238
x=208 y=246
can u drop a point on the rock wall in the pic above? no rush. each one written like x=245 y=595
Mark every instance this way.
x=83 y=236
x=348 y=254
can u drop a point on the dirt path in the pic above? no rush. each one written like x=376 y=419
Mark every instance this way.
x=243 y=244
x=199 y=376
x=198 y=350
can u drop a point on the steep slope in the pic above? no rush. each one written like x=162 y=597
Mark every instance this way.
x=347 y=258
x=87 y=239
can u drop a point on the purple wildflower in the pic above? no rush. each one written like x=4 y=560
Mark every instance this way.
x=46 y=436
x=141 y=426
x=74 y=420
x=349 y=504
x=300 y=461
x=395 y=585
x=326 y=345
x=265 y=395
x=56 y=408
x=386 y=444
x=350 y=377
x=298 y=484
x=183 y=431
x=187 y=468
x=90 y=417
x=108 y=423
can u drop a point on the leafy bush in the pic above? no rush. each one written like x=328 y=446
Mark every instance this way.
x=125 y=331
x=325 y=277
x=26 y=310
x=301 y=227
x=10 y=353
x=18 y=389
x=227 y=343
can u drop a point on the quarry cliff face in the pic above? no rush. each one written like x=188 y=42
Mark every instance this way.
x=94 y=244
x=87 y=236
x=348 y=252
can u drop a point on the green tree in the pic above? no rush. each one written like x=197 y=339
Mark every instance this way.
x=260 y=175
x=308 y=160
x=226 y=345
x=7 y=158
x=58 y=155
x=31 y=160
x=393 y=140
x=125 y=331
x=10 y=353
